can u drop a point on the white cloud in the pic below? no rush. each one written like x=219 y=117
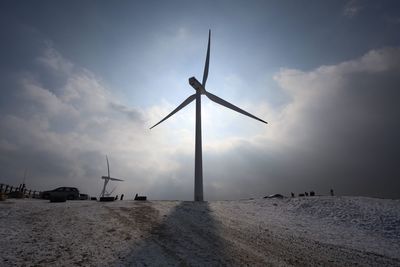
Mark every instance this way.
x=82 y=118
x=52 y=59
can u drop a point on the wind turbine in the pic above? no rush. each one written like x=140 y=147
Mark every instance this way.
x=106 y=180
x=201 y=90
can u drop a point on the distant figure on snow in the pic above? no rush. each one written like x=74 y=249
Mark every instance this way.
x=332 y=192
x=292 y=194
x=116 y=197
x=305 y=193
x=122 y=197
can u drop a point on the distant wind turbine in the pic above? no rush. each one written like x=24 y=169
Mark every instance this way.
x=201 y=90
x=106 y=180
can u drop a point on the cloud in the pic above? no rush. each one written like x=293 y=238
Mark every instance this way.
x=352 y=8
x=52 y=59
x=338 y=128
x=62 y=134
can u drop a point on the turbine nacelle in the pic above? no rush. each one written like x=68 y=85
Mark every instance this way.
x=111 y=179
x=197 y=85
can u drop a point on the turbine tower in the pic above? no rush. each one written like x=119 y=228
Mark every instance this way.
x=201 y=90
x=106 y=180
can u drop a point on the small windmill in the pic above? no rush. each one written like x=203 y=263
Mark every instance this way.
x=108 y=178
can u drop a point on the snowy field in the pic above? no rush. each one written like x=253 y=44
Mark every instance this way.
x=325 y=231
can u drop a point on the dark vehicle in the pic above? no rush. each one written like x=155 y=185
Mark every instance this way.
x=106 y=199
x=83 y=196
x=70 y=193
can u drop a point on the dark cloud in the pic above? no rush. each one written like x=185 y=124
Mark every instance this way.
x=340 y=130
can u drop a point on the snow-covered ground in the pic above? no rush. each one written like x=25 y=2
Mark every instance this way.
x=326 y=231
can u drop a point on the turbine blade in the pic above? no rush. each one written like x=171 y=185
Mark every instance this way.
x=184 y=103
x=108 y=167
x=205 y=74
x=115 y=179
x=224 y=103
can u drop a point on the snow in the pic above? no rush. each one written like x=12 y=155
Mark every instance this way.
x=327 y=231
x=361 y=223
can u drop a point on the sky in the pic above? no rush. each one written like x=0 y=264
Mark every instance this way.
x=81 y=80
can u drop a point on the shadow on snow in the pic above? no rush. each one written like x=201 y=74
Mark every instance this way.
x=186 y=236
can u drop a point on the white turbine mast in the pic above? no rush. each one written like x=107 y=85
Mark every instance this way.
x=201 y=90
x=106 y=180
